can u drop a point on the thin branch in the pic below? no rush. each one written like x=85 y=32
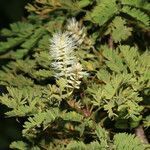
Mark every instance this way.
x=139 y=132
x=110 y=42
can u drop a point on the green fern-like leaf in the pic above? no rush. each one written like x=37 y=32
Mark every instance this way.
x=130 y=55
x=33 y=122
x=23 y=102
x=20 y=31
x=28 y=44
x=118 y=29
x=137 y=3
x=123 y=141
x=137 y=64
x=103 y=137
x=147 y=121
x=102 y=12
x=137 y=14
x=72 y=116
x=95 y=146
x=114 y=61
x=19 y=145
x=76 y=146
x=83 y=3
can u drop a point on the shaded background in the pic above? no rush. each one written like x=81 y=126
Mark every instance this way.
x=10 y=11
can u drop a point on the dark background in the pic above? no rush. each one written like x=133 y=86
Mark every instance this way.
x=10 y=11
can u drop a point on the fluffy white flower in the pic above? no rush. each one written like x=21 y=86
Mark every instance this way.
x=75 y=31
x=65 y=63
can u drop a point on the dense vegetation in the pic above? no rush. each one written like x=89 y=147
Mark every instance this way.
x=77 y=77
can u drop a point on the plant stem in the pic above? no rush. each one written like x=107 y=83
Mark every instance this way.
x=110 y=42
x=139 y=132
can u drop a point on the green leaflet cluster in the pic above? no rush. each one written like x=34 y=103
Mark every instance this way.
x=17 y=35
x=120 y=141
x=108 y=13
x=110 y=41
x=122 y=84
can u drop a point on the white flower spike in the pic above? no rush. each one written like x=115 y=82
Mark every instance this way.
x=75 y=31
x=65 y=63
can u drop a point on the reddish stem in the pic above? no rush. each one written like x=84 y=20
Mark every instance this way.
x=110 y=42
x=139 y=132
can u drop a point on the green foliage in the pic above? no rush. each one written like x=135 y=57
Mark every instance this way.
x=137 y=4
x=137 y=14
x=19 y=32
x=147 y=121
x=103 y=12
x=114 y=95
x=125 y=141
x=20 y=145
x=123 y=80
x=118 y=29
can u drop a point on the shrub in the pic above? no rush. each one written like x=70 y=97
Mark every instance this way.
x=77 y=75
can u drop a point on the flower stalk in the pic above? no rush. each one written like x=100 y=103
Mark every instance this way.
x=62 y=51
